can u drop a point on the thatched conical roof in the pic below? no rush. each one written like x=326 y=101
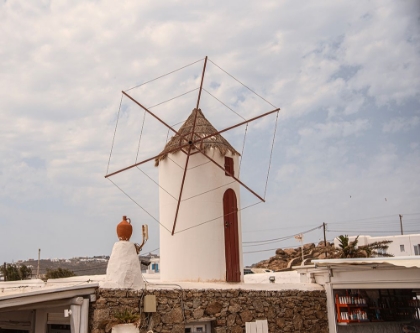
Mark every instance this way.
x=202 y=128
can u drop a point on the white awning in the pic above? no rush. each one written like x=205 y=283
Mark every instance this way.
x=408 y=262
x=42 y=295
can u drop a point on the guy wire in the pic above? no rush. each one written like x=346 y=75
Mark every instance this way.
x=115 y=131
x=176 y=70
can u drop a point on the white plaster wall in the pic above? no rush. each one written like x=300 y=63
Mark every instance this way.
x=280 y=277
x=394 y=247
x=195 y=252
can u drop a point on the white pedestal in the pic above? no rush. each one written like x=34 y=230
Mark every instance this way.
x=123 y=269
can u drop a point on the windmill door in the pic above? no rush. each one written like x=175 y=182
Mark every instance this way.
x=230 y=213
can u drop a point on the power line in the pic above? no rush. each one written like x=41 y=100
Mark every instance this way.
x=282 y=238
x=370 y=218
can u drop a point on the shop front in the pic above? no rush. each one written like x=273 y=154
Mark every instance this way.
x=369 y=295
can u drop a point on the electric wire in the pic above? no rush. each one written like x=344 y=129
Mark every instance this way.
x=373 y=231
x=363 y=219
x=267 y=241
x=159 y=77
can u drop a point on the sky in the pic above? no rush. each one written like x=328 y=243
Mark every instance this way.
x=345 y=74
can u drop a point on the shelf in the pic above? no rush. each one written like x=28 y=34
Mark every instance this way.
x=394 y=305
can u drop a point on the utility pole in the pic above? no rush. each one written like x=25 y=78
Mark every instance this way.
x=5 y=272
x=325 y=239
x=39 y=258
x=402 y=233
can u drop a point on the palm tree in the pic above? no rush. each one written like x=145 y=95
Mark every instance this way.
x=349 y=249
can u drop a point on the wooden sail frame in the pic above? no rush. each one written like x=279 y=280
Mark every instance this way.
x=194 y=142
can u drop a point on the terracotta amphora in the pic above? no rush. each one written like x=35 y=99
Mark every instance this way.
x=124 y=229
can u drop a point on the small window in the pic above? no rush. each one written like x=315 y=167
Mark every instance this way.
x=417 y=250
x=229 y=166
x=402 y=248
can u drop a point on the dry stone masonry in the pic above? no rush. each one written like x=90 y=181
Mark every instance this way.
x=227 y=310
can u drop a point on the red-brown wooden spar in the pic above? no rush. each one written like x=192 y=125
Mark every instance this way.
x=189 y=141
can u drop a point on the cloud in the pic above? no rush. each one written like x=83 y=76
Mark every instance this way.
x=400 y=124
x=330 y=130
x=345 y=74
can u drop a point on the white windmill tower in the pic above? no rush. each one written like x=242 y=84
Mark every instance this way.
x=199 y=200
x=210 y=251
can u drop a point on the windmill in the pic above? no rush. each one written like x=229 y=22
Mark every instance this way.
x=198 y=176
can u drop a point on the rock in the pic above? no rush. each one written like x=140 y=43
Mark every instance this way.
x=198 y=313
x=101 y=303
x=237 y=329
x=219 y=330
x=258 y=306
x=298 y=322
x=174 y=316
x=289 y=251
x=196 y=303
x=246 y=316
x=320 y=314
x=280 y=252
x=214 y=308
x=308 y=246
x=100 y=315
x=178 y=329
x=234 y=308
x=230 y=321
x=280 y=322
x=288 y=313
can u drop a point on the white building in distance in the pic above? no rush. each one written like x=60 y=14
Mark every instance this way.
x=401 y=245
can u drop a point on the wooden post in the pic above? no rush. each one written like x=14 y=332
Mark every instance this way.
x=325 y=239
x=39 y=257
x=402 y=233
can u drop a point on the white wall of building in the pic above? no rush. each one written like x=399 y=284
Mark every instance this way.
x=401 y=245
x=196 y=252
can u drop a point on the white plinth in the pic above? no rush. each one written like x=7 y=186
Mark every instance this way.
x=123 y=269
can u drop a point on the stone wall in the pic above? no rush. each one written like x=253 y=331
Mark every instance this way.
x=228 y=310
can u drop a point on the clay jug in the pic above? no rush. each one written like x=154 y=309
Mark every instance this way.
x=124 y=229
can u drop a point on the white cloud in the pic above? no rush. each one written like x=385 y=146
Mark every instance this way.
x=335 y=129
x=400 y=124
x=328 y=65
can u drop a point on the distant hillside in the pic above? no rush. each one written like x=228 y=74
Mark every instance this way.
x=80 y=266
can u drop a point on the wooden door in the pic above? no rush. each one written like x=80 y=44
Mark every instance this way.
x=230 y=220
